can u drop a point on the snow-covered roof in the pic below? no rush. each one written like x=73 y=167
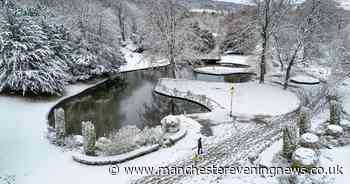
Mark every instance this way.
x=304 y=79
x=221 y=70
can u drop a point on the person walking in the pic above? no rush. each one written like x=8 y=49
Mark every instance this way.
x=199 y=146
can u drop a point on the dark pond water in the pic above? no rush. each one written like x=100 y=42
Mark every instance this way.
x=129 y=100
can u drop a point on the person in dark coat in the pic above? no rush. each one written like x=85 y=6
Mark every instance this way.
x=199 y=146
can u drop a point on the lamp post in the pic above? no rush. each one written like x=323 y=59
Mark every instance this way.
x=231 y=92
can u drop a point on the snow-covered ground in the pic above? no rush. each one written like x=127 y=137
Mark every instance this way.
x=27 y=154
x=344 y=4
x=338 y=156
x=204 y=11
x=248 y=98
x=137 y=61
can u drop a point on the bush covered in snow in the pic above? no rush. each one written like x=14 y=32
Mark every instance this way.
x=309 y=140
x=170 y=124
x=304 y=157
x=129 y=138
x=334 y=130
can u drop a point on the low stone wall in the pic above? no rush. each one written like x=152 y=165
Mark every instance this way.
x=90 y=160
x=200 y=99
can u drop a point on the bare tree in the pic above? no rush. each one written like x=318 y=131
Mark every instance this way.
x=301 y=31
x=291 y=38
x=268 y=17
x=121 y=13
x=165 y=15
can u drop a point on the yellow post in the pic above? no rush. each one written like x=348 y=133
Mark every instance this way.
x=231 y=92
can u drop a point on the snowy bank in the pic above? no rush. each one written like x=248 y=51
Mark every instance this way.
x=137 y=61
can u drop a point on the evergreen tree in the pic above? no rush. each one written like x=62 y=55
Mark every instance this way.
x=27 y=62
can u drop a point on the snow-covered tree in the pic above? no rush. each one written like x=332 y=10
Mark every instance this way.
x=164 y=18
x=268 y=17
x=304 y=120
x=202 y=40
x=335 y=112
x=27 y=62
x=240 y=32
x=290 y=141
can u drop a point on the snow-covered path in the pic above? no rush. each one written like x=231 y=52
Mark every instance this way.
x=232 y=151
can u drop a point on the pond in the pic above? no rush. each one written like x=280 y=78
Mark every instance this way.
x=128 y=100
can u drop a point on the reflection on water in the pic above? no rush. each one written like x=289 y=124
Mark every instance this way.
x=128 y=100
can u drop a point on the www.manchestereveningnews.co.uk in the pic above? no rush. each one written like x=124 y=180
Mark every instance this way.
x=224 y=170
